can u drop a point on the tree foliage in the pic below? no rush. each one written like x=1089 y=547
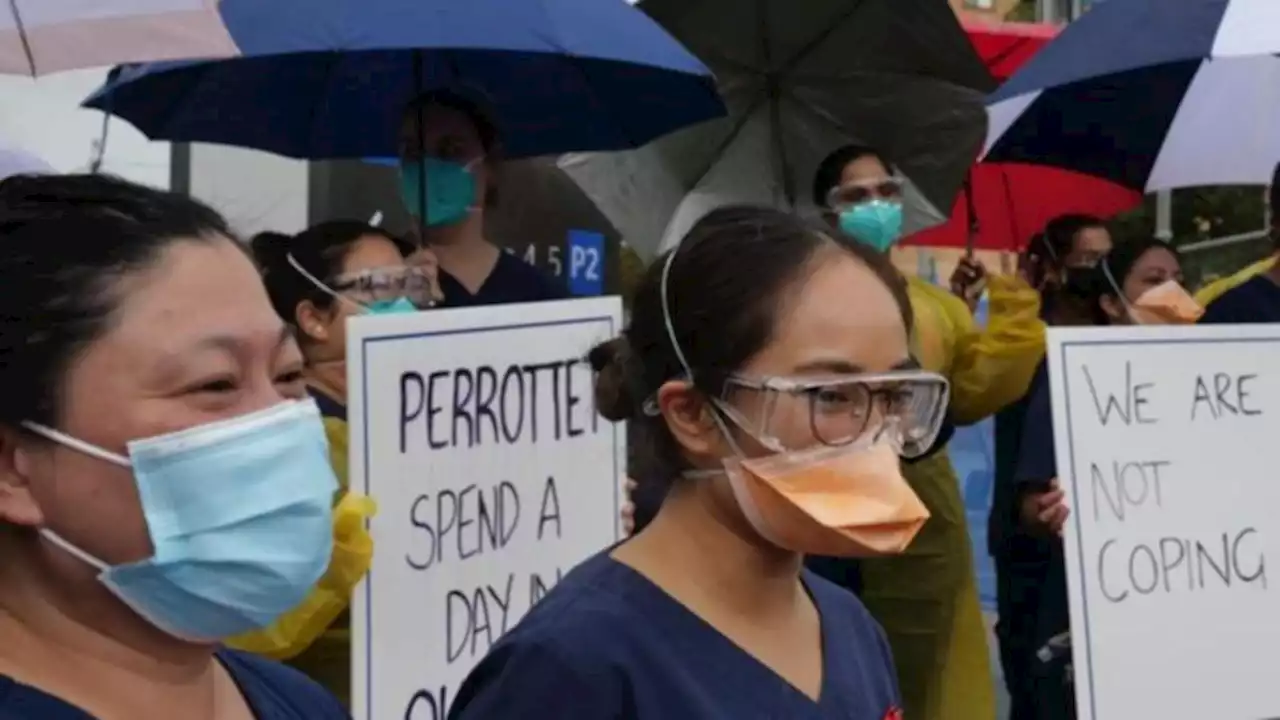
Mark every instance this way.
x=1200 y=214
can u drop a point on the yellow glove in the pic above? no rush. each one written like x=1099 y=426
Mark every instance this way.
x=297 y=629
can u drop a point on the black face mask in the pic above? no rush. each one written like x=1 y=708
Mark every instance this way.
x=1077 y=282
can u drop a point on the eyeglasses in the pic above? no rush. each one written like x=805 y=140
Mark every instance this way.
x=850 y=194
x=843 y=409
x=388 y=284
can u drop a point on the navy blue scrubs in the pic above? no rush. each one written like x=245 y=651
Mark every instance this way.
x=1023 y=560
x=273 y=691
x=607 y=644
x=1050 y=616
x=512 y=280
x=1256 y=300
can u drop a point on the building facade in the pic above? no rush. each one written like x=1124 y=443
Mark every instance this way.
x=989 y=10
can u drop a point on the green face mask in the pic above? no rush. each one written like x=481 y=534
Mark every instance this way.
x=876 y=223
x=450 y=192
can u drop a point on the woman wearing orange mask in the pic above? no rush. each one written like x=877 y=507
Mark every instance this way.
x=1136 y=284
x=769 y=363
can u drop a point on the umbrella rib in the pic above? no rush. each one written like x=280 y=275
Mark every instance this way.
x=773 y=97
x=575 y=62
x=726 y=142
x=22 y=36
x=822 y=37
x=1006 y=53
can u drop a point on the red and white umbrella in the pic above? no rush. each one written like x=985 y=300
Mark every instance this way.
x=38 y=37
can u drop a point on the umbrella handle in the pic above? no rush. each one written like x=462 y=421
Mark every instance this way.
x=971 y=207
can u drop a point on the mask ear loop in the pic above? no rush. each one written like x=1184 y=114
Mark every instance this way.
x=1111 y=280
x=652 y=403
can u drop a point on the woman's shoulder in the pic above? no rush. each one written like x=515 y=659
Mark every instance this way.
x=277 y=691
x=531 y=281
x=590 y=600
x=565 y=658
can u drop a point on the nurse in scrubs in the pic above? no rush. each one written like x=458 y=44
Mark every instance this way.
x=450 y=159
x=778 y=417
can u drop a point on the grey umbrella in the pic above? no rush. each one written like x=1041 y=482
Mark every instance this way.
x=801 y=79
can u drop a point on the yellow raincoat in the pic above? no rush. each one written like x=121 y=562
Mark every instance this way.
x=927 y=598
x=315 y=637
x=1215 y=289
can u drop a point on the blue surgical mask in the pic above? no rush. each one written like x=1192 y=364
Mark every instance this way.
x=876 y=223
x=240 y=518
x=450 y=194
x=395 y=306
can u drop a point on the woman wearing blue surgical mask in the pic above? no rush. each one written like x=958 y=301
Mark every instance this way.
x=316 y=280
x=164 y=481
x=449 y=161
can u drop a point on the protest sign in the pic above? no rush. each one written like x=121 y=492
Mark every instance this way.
x=1164 y=440
x=476 y=433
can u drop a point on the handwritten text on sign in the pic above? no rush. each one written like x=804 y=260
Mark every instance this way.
x=494 y=475
x=1159 y=432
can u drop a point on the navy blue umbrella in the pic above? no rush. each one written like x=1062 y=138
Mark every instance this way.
x=331 y=78
x=1151 y=94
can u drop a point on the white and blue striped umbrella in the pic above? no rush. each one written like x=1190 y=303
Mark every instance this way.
x=38 y=37
x=1151 y=94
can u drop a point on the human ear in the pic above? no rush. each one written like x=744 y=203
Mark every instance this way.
x=17 y=504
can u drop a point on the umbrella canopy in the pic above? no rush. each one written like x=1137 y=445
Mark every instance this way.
x=330 y=78
x=1002 y=204
x=1012 y=202
x=43 y=36
x=1150 y=94
x=1004 y=47
x=800 y=80
x=20 y=162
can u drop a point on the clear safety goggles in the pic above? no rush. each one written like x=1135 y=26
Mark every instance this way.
x=840 y=410
x=847 y=195
x=389 y=283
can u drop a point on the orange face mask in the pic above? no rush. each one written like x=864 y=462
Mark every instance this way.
x=1166 y=304
x=847 y=501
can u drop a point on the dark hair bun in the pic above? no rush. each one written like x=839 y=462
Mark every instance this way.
x=270 y=249
x=613 y=396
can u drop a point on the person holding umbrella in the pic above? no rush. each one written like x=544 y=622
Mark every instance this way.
x=449 y=157
x=927 y=597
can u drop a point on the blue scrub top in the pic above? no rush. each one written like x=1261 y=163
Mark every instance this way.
x=607 y=644
x=273 y=691
x=1256 y=300
x=512 y=280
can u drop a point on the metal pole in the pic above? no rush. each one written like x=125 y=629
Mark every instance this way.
x=1164 y=215
x=1047 y=11
x=1224 y=241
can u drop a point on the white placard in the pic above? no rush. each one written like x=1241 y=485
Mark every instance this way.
x=1165 y=441
x=475 y=431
